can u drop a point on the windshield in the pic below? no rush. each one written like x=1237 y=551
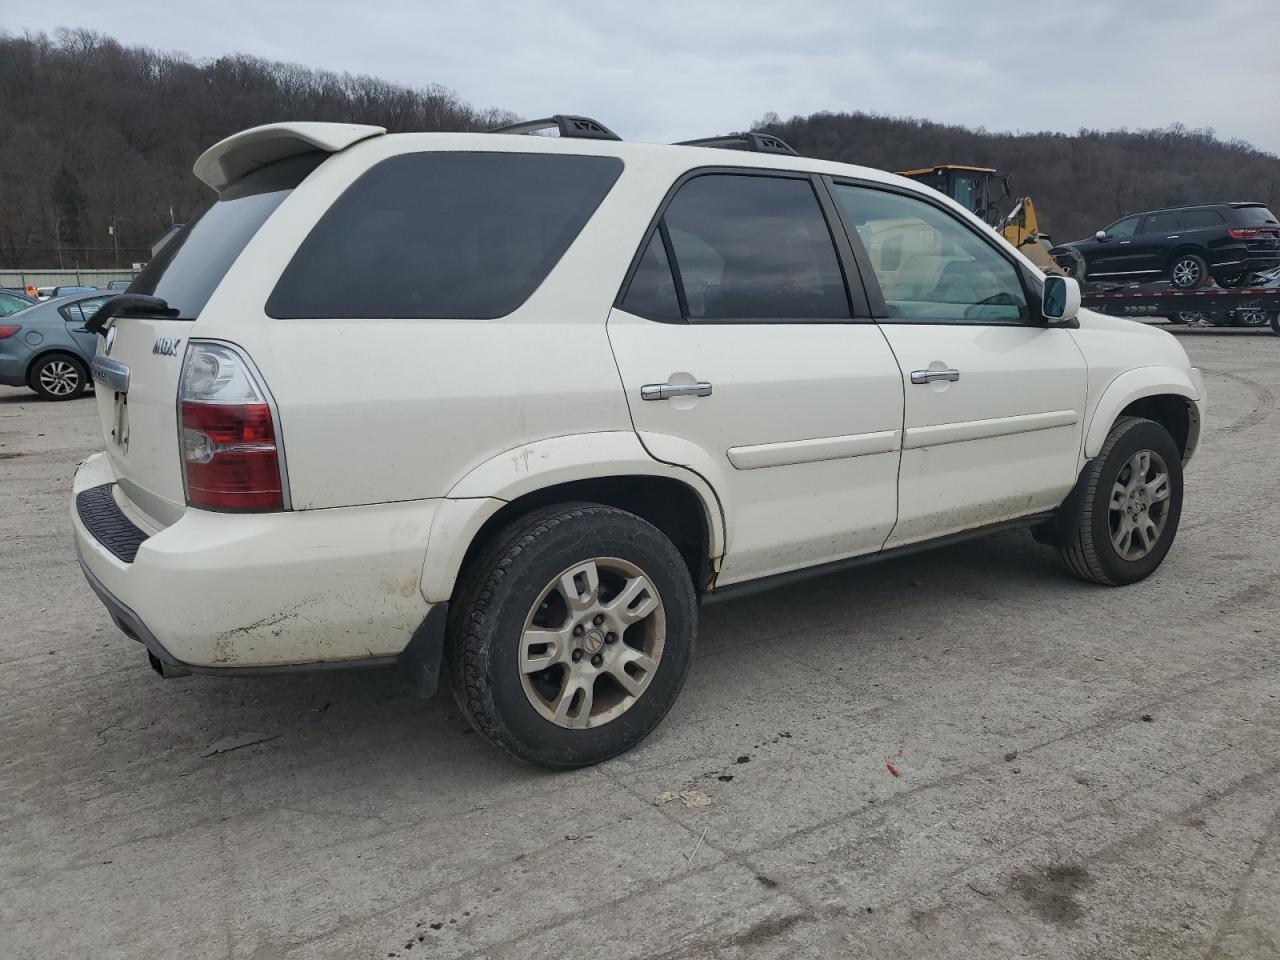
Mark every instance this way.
x=189 y=268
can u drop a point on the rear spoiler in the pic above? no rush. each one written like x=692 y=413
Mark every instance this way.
x=241 y=153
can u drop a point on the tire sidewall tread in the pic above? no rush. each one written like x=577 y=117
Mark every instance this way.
x=1088 y=552
x=499 y=588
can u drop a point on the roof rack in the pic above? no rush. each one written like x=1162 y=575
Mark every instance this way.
x=584 y=128
x=755 y=142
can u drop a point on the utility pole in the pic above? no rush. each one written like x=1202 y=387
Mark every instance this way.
x=115 y=239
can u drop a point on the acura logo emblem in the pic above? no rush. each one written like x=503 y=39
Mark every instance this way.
x=166 y=346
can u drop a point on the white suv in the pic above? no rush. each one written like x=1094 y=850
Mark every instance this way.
x=509 y=407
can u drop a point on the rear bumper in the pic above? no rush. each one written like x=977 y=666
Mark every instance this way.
x=252 y=593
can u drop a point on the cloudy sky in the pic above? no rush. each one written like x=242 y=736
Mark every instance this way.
x=663 y=70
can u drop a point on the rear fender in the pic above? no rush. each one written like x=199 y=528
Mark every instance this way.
x=535 y=466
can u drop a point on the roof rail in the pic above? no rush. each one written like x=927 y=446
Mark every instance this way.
x=584 y=128
x=755 y=142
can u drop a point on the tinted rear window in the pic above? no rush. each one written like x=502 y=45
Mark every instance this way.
x=443 y=235
x=1255 y=216
x=189 y=267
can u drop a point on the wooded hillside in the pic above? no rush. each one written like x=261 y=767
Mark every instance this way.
x=93 y=132
x=91 y=129
x=1079 y=182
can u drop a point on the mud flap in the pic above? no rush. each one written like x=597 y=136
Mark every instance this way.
x=1059 y=530
x=422 y=659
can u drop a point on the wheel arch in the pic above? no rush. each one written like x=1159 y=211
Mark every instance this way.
x=1166 y=395
x=609 y=468
x=57 y=349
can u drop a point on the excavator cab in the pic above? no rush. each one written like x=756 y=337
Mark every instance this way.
x=980 y=190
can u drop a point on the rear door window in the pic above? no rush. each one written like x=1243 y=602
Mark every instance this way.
x=1161 y=223
x=1196 y=219
x=189 y=268
x=752 y=248
x=443 y=235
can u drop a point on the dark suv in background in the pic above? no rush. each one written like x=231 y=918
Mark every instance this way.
x=1184 y=245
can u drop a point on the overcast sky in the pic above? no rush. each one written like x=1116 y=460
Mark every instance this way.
x=661 y=70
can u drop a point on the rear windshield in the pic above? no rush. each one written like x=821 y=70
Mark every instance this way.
x=1256 y=216
x=189 y=267
x=443 y=235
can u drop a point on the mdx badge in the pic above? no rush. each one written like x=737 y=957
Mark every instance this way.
x=166 y=346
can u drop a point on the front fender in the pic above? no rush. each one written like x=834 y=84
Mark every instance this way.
x=535 y=466
x=1135 y=385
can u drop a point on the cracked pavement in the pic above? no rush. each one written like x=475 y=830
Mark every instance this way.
x=1084 y=772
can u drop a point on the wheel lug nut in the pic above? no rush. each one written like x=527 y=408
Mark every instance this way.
x=577 y=655
x=599 y=619
x=596 y=660
x=610 y=638
x=579 y=630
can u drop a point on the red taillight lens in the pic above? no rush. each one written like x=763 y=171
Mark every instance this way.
x=230 y=456
x=1244 y=233
x=7 y=330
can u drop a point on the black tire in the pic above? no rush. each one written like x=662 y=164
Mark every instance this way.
x=1187 y=271
x=488 y=619
x=58 y=376
x=1177 y=317
x=1085 y=545
x=1252 y=318
x=1275 y=322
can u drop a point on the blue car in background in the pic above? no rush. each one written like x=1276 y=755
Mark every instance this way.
x=46 y=347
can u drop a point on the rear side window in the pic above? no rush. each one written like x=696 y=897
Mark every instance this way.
x=1195 y=219
x=189 y=267
x=652 y=292
x=82 y=311
x=755 y=248
x=443 y=235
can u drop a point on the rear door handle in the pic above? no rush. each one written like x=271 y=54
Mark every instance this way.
x=930 y=376
x=665 y=391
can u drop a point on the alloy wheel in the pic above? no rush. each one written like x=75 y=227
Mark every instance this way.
x=60 y=378
x=1139 y=505
x=1186 y=273
x=592 y=643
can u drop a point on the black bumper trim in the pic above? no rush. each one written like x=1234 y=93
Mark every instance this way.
x=421 y=658
x=104 y=519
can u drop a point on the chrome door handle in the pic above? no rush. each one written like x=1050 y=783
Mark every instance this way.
x=665 y=391
x=929 y=376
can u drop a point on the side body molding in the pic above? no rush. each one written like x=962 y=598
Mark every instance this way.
x=1135 y=385
x=535 y=466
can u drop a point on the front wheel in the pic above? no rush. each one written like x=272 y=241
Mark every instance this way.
x=1126 y=507
x=572 y=635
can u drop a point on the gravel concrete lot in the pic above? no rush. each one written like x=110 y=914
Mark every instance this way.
x=1084 y=772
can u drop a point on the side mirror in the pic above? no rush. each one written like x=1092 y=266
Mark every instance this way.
x=1100 y=235
x=1061 y=300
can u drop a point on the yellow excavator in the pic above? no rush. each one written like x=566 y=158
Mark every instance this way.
x=981 y=190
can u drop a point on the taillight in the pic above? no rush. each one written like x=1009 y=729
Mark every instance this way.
x=230 y=448
x=7 y=330
x=1248 y=233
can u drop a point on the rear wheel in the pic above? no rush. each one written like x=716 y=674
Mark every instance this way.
x=1188 y=271
x=58 y=376
x=572 y=635
x=1126 y=507
x=1252 y=318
